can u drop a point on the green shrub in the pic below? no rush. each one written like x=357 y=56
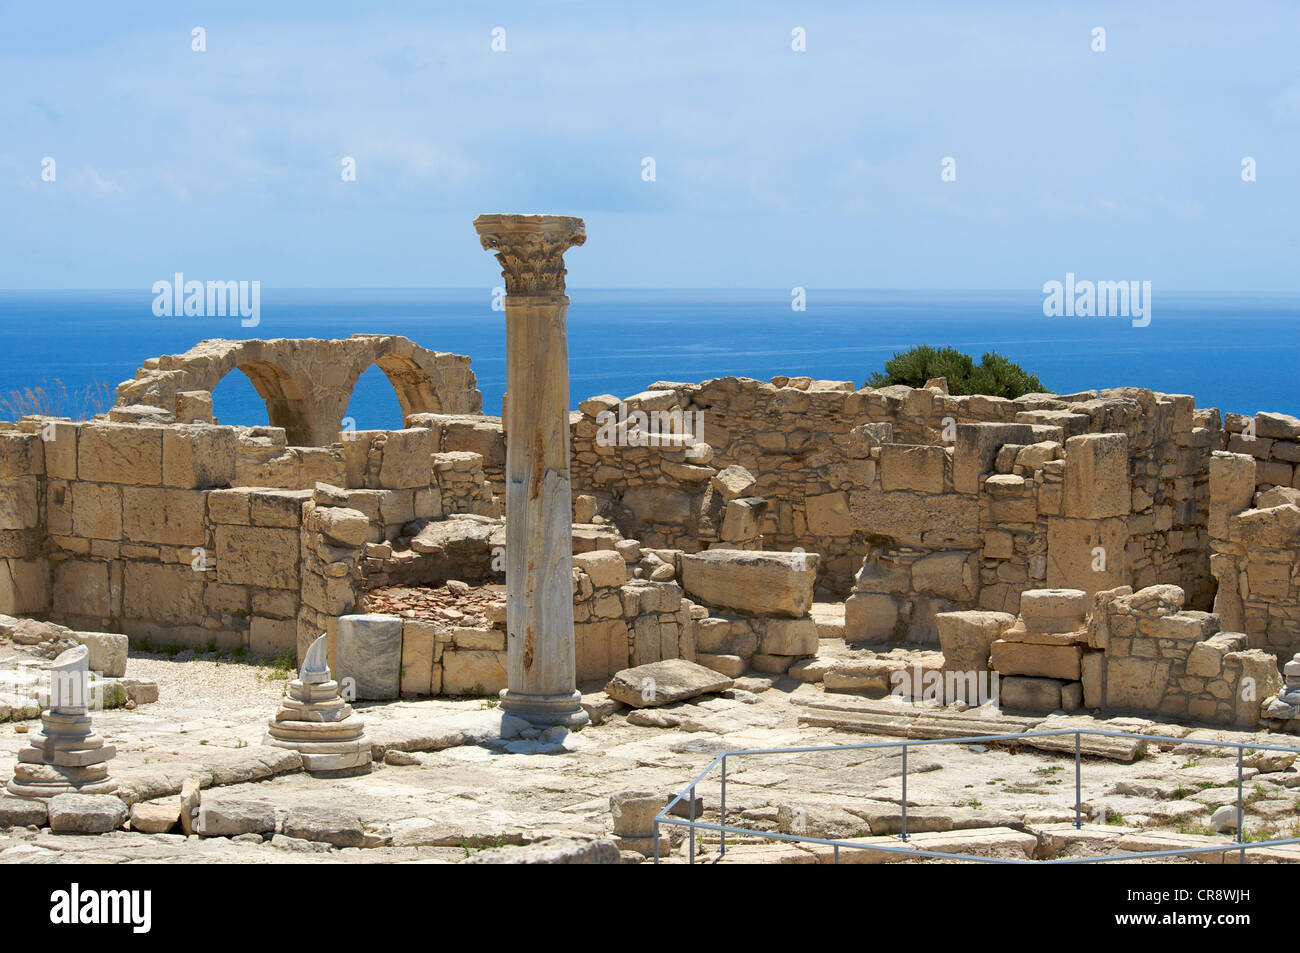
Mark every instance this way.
x=994 y=376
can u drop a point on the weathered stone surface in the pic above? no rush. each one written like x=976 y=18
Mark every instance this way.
x=343 y=525
x=795 y=637
x=605 y=567
x=1053 y=610
x=1028 y=658
x=466 y=672
x=761 y=583
x=870 y=617
x=86 y=813
x=554 y=851
x=1096 y=476
x=108 y=651
x=945 y=521
x=967 y=637
x=21 y=811
x=369 y=651
x=228 y=817
x=155 y=817
x=662 y=683
x=1030 y=694
x=952 y=575
x=329 y=825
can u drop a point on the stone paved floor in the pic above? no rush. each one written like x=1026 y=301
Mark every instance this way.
x=457 y=799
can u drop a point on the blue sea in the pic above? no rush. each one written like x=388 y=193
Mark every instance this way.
x=1238 y=352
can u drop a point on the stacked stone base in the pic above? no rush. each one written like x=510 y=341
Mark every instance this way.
x=322 y=728
x=65 y=757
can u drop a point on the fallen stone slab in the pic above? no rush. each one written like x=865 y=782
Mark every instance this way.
x=329 y=825
x=559 y=850
x=1053 y=839
x=86 y=813
x=155 y=817
x=228 y=818
x=1000 y=842
x=22 y=811
x=662 y=683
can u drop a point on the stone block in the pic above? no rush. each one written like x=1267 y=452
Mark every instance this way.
x=1136 y=683
x=120 y=453
x=743 y=519
x=1091 y=555
x=81 y=588
x=1029 y=658
x=370 y=653
x=96 y=511
x=665 y=682
x=255 y=556
x=168 y=517
x=759 y=583
x=1096 y=476
x=407 y=459
x=272 y=636
x=952 y=575
x=24 y=586
x=199 y=456
x=945 y=521
x=107 y=652
x=20 y=506
x=967 y=637
x=1030 y=694
x=828 y=514
x=916 y=468
x=789 y=637
x=1053 y=610
x=86 y=813
x=419 y=646
x=870 y=617
x=277 y=508
x=156 y=592
x=21 y=455
x=473 y=672
x=606 y=568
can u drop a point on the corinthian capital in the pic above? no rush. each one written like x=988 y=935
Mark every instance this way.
x=531 y=249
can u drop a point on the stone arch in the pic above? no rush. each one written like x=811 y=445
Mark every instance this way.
x=307 y=382
x=286 y=405
x=416 y=389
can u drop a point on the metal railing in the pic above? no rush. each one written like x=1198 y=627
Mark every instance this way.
x=723 y=829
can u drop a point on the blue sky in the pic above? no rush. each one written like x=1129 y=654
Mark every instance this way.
x=773 y=168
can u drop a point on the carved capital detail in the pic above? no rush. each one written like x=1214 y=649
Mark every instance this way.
x=531 y=249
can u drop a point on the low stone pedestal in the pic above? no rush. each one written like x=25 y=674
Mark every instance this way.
x=317 y=723
x=65 y=756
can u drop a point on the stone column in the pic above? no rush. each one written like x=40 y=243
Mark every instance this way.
x=539 y=532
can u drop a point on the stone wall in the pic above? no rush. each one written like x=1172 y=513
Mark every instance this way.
x=814 y=449
x=1118 y=650
x=1255 y=536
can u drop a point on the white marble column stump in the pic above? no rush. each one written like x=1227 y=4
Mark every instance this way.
x=539 y=534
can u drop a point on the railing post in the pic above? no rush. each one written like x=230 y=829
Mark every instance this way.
x=837 y=853
x=1078 y=786
x=723 y=807
x=1241 y=818
x=656 y=838
x=692 y=860
x=903 y=834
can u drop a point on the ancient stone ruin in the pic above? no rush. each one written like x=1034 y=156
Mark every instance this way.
x=1112 y=554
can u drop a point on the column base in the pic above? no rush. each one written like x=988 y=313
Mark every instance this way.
x=546 y=709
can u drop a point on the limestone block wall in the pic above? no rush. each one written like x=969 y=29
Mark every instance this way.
x=1118 y=650
x=1272 y=441
x=809 y=446
x=1255 y=535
